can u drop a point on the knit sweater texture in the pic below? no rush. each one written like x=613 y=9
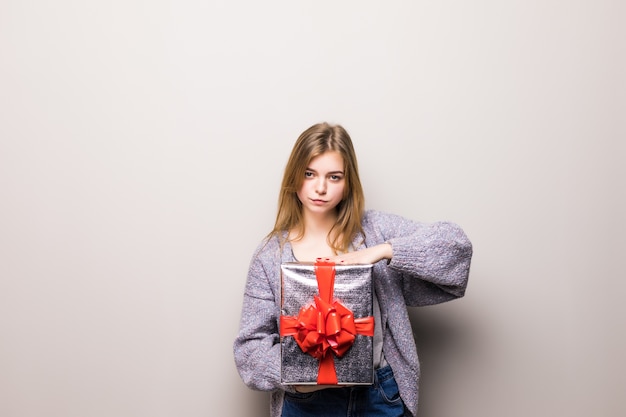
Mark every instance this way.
x=430 y=265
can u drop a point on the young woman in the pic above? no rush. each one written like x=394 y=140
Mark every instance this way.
x=321 y=215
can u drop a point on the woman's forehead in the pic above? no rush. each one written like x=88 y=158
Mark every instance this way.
x=329 y=160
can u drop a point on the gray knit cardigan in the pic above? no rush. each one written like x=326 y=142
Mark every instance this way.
x=430 y=265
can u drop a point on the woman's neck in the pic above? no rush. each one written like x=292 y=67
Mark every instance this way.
x=319 y=225
x=314 y=241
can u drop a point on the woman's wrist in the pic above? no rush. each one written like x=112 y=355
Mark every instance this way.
x=388 y=251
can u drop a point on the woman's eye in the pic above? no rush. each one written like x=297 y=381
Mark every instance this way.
x=308 y=174
x=335 y=177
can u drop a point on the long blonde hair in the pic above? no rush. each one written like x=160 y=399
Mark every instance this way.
x=314 y=141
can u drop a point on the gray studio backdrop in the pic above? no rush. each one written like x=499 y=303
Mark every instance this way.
x=141 y=150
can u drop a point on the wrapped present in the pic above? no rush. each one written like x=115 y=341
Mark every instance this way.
x=326 y=324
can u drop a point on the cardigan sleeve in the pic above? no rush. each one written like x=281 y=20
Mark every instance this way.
x=432 y=259
x=256 y=347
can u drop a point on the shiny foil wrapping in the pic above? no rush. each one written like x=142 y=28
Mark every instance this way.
x=353 y=288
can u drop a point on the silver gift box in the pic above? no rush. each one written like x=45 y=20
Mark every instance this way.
x=353 y=289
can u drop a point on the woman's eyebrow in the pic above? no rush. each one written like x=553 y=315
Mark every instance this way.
x=330 y=172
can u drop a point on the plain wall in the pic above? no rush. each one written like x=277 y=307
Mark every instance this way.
x=141 y=149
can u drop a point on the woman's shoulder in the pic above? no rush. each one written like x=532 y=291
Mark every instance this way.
x=373 y=218
x=377 y=218
x=268 y=242
x=269 y=247
x=378 y=224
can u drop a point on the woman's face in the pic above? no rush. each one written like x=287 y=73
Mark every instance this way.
x=324 y=183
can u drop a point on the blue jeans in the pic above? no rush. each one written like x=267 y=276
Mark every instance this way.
x=382 y=399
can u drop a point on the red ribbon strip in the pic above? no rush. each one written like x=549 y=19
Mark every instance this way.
x=326 y=325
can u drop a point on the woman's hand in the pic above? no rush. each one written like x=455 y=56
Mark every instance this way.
x=369 y=255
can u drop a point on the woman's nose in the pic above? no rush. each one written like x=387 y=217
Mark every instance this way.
x=321 y=186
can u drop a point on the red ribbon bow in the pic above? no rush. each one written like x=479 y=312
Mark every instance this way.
x=325 y=326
